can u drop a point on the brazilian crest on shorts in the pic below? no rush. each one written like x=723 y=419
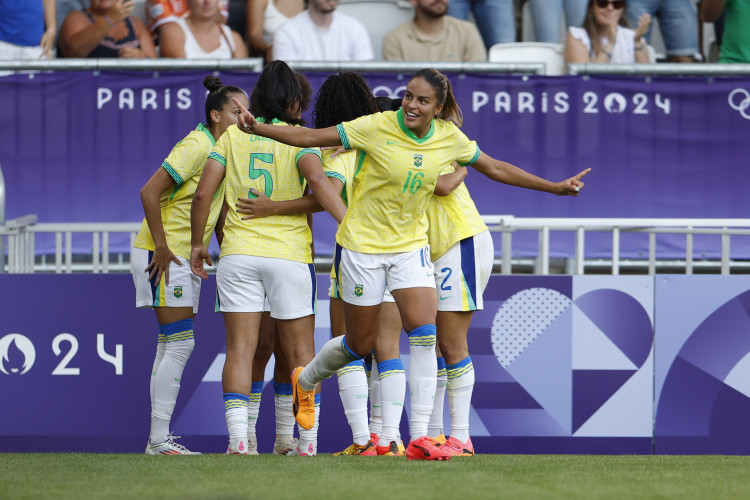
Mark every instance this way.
x=417 y=160
x=358 y=289
x=178 y=291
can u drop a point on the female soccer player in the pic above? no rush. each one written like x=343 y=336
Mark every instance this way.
x=265 y=257
x=382 y=241
x=162 y=249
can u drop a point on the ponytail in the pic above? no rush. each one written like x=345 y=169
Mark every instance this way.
x=444 y=92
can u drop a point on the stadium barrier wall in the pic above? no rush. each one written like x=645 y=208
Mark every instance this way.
x=659 y=146
x=564 y=364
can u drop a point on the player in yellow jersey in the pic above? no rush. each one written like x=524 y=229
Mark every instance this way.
x=268 y=257
x=463 y=254
x=159 y=258
x=383 y=237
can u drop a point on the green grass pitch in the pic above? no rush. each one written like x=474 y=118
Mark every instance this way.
x=95 y=476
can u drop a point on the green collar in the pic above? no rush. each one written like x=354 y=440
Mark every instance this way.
x=409 y=132
x=263 y=120
x=204 y=129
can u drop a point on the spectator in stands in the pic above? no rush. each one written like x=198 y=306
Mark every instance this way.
x=105 y=29
x=433 y=36
x=605 y=37
x=319 y=33
x=200 y=35
x=65 y=7
x=546 y=16
x=27 y=29
x=159 y=12
x=735 y=42
x=496 y=19
x=678 y=24
x=264 y=17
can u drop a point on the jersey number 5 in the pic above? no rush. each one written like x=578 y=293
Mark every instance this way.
x=257 y=172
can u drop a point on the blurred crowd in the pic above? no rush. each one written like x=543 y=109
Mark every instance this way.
x=599 y=31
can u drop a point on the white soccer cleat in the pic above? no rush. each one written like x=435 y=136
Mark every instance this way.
x=285 y=445
x=309 y=449
x=252 y=445
x=169 y=447
x=237 y=447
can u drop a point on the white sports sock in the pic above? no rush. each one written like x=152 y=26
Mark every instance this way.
x=253 y=407
x=353 y=392
x=161 y=348
x=376 y=415
x=333 y=355
x=284 y=414
x=460 y=387
x=167 y=386
x=422 y=377
x=308 y=436
x=392 y=393
x=435 y=427
x=235 y=413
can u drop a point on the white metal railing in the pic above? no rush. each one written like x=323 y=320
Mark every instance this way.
x=21 y=234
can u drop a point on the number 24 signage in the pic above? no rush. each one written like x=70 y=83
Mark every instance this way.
x=18 y=354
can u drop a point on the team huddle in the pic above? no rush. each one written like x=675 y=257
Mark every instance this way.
x=411 y=253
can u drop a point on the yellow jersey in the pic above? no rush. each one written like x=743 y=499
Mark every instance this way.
x=270 y=167
x=451 y=219
x=185 y=165
x=394 y=179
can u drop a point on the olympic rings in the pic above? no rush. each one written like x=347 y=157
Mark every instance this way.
x=743 y=105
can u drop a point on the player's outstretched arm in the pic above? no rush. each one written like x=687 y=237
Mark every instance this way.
x=301 y=137
x=150 y=198
x=447 y=183
x=506 y=173
x=211 y=178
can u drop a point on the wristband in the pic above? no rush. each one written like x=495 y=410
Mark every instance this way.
x=111 y=24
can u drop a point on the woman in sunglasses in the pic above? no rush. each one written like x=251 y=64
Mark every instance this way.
x=605 y=37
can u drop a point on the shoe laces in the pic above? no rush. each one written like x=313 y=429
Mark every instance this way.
x=177 y=446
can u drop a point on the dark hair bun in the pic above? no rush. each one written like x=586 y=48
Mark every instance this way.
x=212 y=83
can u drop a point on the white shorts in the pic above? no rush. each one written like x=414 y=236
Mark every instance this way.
x=335 y=293
x=244 y=281
x=462 y=273
x=364 y=278
x=184 y=287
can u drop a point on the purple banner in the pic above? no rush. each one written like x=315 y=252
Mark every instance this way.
x=77 y=146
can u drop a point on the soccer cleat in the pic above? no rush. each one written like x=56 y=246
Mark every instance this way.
x=440 y=440
x=457 y=448
x=303 y=402
x=284 y=445
x=425 y=449
x=169 y=447
x=252 y=445
x=374 y=438
x=364 y=450
x=302 y=450
x=391 y=450
x=238 y=447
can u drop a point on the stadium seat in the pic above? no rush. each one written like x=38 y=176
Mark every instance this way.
x=552 y=54
x=379 y=17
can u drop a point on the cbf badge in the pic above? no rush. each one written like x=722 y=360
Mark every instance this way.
x=358 y=289
x=417 y=160
x=178 y=291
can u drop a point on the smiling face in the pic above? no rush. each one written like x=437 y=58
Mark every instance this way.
x=420 y=106
x=607 y=15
